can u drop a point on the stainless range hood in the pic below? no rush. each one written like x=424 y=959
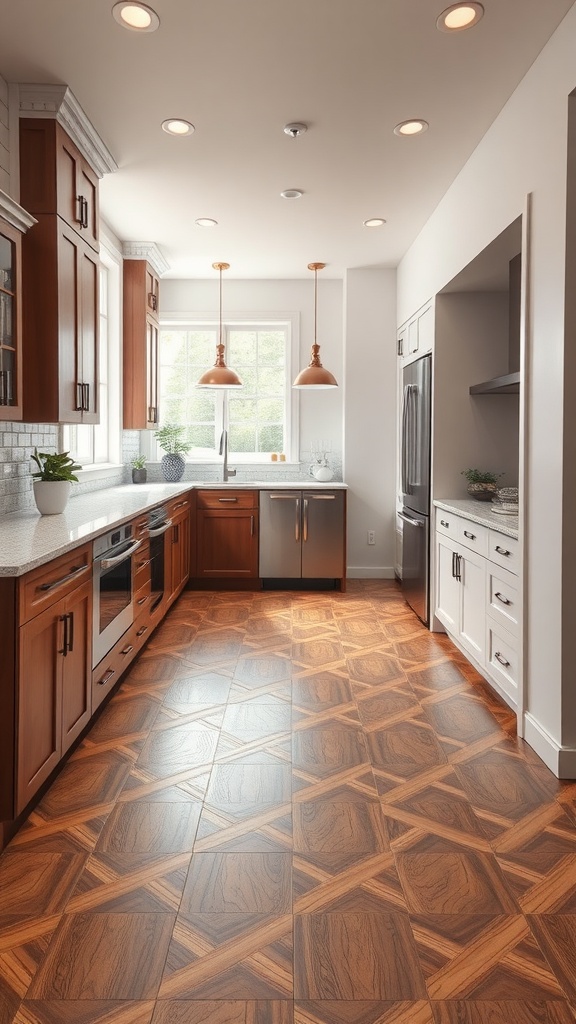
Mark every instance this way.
x=508 y=383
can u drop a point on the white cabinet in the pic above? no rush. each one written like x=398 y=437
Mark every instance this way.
x=477 y=596
x=415 y=338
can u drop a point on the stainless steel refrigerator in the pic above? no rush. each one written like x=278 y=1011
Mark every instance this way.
x=415 y=484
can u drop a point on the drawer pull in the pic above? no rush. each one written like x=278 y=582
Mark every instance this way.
x=180 y=504
x=107 y=677
x=63 y=579
x=499 y=657
x=142 y=630
x=142 y=565
x=127 y=649
x=443 y=522
x=228 y=499
x=502 y=551
x=471 y=536
x=501 y=598
x=142 y=600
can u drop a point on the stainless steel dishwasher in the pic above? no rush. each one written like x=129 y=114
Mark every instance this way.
x=302 y=534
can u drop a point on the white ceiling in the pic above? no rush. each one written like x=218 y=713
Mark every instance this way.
x=240 y=70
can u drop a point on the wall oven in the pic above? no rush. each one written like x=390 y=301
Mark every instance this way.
x=113 y=589
x=158 y=525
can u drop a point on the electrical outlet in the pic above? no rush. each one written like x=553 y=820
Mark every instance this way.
x=371 y=537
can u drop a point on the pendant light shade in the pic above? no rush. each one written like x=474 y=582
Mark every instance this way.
x=315 y=375
x=220 y=375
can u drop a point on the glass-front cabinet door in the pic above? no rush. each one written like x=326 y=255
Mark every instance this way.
x=10 y=323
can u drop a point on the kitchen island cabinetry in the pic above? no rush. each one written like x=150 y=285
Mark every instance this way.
x=227 y=534
x=141 y=300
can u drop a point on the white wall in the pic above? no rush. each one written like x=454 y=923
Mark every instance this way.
x=523 y=152
x=4 y=139
x=370 y=419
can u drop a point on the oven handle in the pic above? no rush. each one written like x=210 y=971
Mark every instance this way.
x=159 y=530
x=109 y=563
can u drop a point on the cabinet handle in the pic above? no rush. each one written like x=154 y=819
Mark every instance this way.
x=443 y=522
x=64 y=649
x=63 y=579
x=5 y=387
x=297 y=522
x=251 y=526
x=142 y=600
x=79 y=397
x=142 y=630
x=152 y=301
x=228 y=499
x=180 y=504
x=400 y=347
x=501 y=598
x=80 y=217
x=86 y=397
x=142 y=565
x=107 y=677
x=456 y=565
x=305 y=522
x=143 y=527
x=499 y=657
x=471 y=536
x=71 y=632
x=502 y=551
x=127 y=649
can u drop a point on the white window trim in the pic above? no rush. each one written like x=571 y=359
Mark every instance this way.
x=148 y=445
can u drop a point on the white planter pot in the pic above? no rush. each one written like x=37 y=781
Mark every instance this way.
x=51 y=496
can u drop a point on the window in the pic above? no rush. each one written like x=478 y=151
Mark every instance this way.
x=260 y=417
x=96 y=446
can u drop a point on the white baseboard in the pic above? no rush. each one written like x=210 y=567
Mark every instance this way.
x=370 y=572
x=560 y=760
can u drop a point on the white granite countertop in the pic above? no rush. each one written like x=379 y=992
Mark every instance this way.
x=480 y=512
x=28 y=539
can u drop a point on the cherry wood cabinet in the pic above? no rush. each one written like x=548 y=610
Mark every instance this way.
x=140 y=345
x=227 y=534
x=178 y=546
x=55 y=177
x=10 y=322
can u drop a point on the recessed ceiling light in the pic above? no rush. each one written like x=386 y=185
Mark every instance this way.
x=176 y=126
x=459 y=16
x=413 y=127
x=374 y=222
x=292 y=193
x=206 y=222
x=295 y=128
x=136 y=16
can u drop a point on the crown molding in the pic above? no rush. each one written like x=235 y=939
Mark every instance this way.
x=146 y=251
x=15 y=214
x=58 y=102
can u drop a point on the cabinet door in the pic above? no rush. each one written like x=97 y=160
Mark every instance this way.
x=10 y=323
x=77 y=329
x=447 y=585
x=152 y=412
x=179 y=554
x=77 y=189
x=280 y=535
x=473 y=603
x=323 y=535
x=140 y=345
x=152 y=293
x=227 y=543
x=77 y=665
x=39 y=732
x=88 y=332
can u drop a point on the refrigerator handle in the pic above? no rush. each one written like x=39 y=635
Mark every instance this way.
x=404 y=448
x=414 y=475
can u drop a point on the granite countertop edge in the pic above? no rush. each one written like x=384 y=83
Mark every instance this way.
x=469 y=509
x=28 y=539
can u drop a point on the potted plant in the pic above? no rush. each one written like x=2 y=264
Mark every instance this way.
x=53 y=481
x=174 y=444
x=481 y=485
x=139 y=472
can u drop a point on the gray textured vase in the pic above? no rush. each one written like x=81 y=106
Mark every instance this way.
x=172 y=467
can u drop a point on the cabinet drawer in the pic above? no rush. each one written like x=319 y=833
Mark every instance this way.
x=503 y=598
x=179 y=506
x=142 y=566
x=142 y=598
x=502 y=658
x=473 y=536
x=39 y=588
x=505 y=551
x=447 y=524
x=227 y=499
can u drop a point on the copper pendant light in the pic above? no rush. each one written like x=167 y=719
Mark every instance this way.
x=315 y=375
x=219 y=375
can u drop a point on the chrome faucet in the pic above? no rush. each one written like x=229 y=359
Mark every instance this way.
x=224 y=451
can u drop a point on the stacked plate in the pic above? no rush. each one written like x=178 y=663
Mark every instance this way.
x=505 y=501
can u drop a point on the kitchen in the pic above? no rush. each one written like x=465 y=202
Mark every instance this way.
x=524 y=151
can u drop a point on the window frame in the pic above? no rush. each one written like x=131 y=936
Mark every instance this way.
x=245 y=320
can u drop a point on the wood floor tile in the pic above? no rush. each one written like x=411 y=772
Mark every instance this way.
x=261 y=669
x=150 y=828
x=406 y=749
x=267 y=829
x=322 y=751
x=461 y=717
x=349 y=827
x=233 y=883
x=556 y=935
x=200 y=1011
x=382 y=708
x=356 y=956
x=321 y=691
x=210 y=688
x=347 y=883
x=374 y=668
x=105 y=956
x=84 y=784
x=215 y=647
x=173 y=750
x=517 y=1011
x=249 y=785
x=130 y=883
x=318 y=652
x=128 y=716
x=256 y=720
x=459 y=882
x=502 y=785
x=84 y=1011
x=37 y=884
x=362 y=1012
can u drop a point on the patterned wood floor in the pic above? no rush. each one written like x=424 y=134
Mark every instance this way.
x=298 y=809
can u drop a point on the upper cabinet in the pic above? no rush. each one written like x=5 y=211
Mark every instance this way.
x=141 y=298
x=416 y=337
x=13 y=222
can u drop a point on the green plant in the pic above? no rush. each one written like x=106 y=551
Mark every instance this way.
x=138 y=462
x=171 y=440
x=54 y=467
x=478 y=476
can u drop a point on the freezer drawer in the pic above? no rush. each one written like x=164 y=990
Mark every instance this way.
x=415 y=561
